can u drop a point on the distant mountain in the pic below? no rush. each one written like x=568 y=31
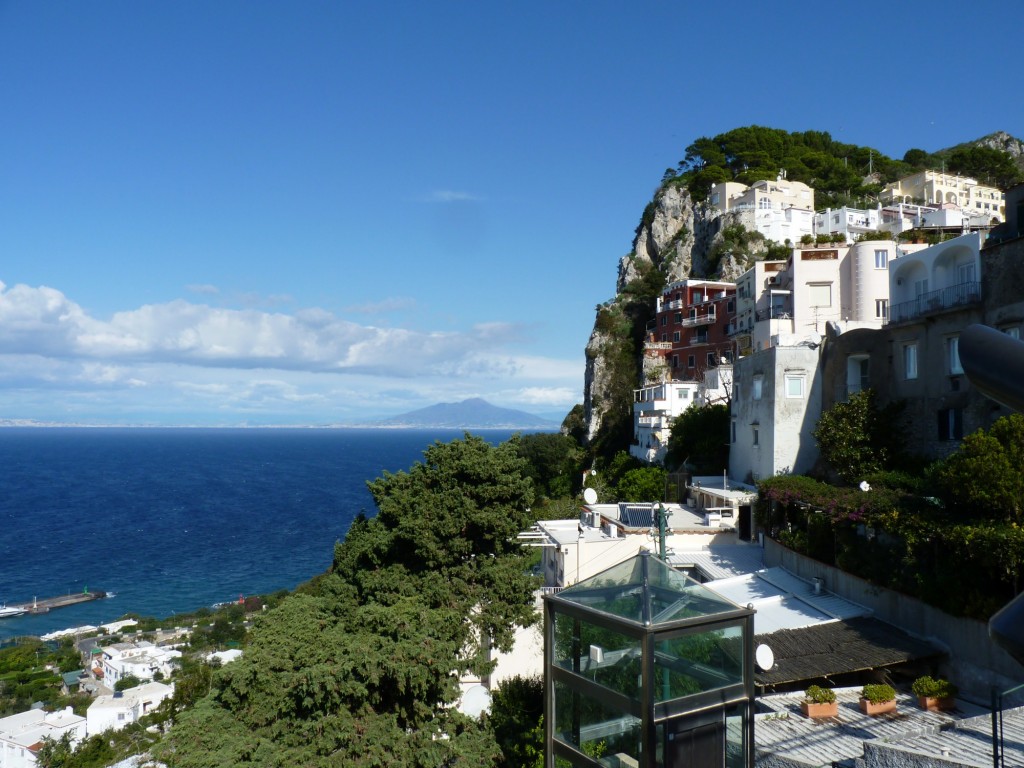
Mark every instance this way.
x=469 y=414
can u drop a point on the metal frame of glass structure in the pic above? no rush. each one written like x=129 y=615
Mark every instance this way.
x=646 y=667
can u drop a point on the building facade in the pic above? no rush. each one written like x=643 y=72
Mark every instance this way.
x=937 y=188
x=691 y=328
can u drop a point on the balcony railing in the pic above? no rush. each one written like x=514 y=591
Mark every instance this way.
x=652 y=345
x=690 y=322
x=772 y=314
x=941 y=300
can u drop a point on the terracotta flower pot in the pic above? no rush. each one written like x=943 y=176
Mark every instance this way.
x=935 y=704
x=814 y=711
x=877 y=709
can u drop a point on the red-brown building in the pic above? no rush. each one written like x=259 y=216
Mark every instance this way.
x=691 y=329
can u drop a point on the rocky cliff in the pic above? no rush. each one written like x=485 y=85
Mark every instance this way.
x=676 y=239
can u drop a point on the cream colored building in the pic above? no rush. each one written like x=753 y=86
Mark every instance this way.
x=844 y=284
x=779 y=209
x=937 y=188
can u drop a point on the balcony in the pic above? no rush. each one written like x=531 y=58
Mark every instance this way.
x=775 y=313
x=655 y=345
x=953 y=297
x=691 y=322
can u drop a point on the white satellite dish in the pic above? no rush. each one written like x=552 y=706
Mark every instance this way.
x=590 y=496
x=764 y=657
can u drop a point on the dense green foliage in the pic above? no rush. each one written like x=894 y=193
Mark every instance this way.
x=623 y=324
x=553 y=463
x=25 y=679
x=700 y=439
x=359 y=667
x=985 y=477
x=964 y=556
x=839 y=173
x=517 y=713
x=857 y=438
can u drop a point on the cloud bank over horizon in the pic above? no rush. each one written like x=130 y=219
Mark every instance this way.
x=185 y=362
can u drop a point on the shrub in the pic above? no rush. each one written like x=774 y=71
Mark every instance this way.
x=818 y=695
x=878 y=693
x=929 y=687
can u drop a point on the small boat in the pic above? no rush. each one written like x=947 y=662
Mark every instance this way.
x=6 y=612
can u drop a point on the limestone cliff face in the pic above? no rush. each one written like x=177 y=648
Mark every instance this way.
x=1001 y=140
x=676 y=236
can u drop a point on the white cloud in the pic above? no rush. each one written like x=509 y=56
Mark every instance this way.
x=306 y=367
x=203 y=289
x=450 y=196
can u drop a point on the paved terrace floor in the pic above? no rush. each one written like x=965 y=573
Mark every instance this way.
x=965 y=733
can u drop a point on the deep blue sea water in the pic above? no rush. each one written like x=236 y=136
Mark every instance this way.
x=172 y=520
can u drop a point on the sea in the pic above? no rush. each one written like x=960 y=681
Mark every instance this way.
x=171 y=520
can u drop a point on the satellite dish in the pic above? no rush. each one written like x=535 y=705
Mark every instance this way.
x=475 y=701
x=590 y=496
x=764 y=657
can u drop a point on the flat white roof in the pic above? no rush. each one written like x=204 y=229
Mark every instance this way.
x=783 y=601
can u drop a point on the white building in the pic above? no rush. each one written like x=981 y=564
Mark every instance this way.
x=937 y=278
x=936 y=188
x=843 y=284
x=779 y=209
x=142 y=660
x=757 y=292
x=607 y=534
x=125 y=707
x=22 y=734
x=655 y=407
x=775 y=406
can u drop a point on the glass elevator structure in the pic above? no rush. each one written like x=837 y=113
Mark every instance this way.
x=646 y=668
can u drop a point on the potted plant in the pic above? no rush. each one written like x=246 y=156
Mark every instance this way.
x=877 y=699
x=934 y=695
x=819 y=702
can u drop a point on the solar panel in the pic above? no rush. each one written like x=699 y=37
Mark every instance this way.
x=637 y=515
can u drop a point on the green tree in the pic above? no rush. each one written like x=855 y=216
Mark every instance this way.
x=517 y=713
x=700 y=439
x=985 y=477
x=857 y=438
x=55 y=753
x=360 y=667
x=126 y=682
x=642 y=484
x=553 y=462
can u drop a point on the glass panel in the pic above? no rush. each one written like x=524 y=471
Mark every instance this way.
x=646 y=591
x=604 y=656
x=736 y=736
x=701 y=661
x=596 y=729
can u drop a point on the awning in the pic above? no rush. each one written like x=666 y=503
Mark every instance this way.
x=836 y=648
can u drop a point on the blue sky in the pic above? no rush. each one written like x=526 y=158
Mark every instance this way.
x=309 y=213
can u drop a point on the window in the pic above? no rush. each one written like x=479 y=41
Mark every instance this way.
x=794 y=385
x=965 y=273
x=910 y=361
x=820 y=294
x=882 y=308
x=920 y=288
x=711 y=358
x=675 y=361
x=691 y=361
x=664 y=337
x=731 y=306
x=755 y=435
x=683 y=394
x=678 y=318
x=953 y=349
x=758 y=383
x=664 y=319
x=951 y=424
x=675 y=336
x=881 y=259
